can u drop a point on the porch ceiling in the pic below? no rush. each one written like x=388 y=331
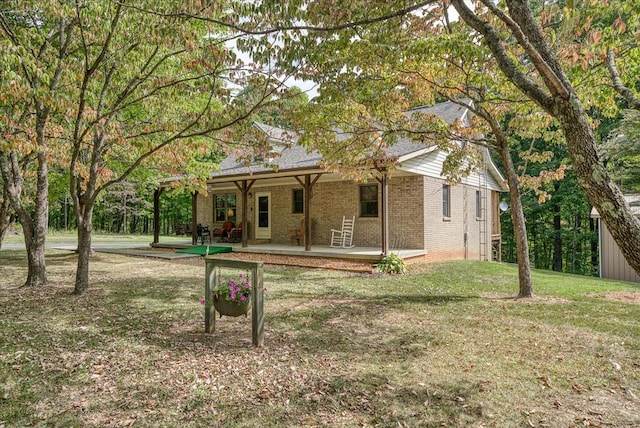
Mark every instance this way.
x=282 y=178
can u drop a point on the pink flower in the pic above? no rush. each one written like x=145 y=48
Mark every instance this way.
x=233 y=295
x=203 y=302
x=243 y=297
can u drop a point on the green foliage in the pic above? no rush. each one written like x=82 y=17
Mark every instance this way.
x=557 y=213
x=392 y=264
x=621 y=152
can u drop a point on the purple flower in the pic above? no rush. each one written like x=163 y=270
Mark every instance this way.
x=203 y=302
x=243 y=297
x=233 y=295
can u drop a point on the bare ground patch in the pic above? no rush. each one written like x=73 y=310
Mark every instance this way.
x=621 y=296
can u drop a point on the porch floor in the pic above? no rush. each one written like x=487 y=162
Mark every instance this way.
x=368 y=254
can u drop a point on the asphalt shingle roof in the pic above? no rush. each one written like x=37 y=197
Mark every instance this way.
x=295 y=157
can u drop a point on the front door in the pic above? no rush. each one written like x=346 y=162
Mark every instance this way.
x=263 y=215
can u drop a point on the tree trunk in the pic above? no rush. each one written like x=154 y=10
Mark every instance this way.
x=557 y=237
x=560 y=100
x=519 y=225
x=605 y=196
x=33 y=224
x=5 y=214
x=84 y=252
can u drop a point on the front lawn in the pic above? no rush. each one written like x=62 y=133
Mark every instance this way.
x=442 y=346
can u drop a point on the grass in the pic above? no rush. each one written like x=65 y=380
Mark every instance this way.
x=444 y=345
x=58 y=237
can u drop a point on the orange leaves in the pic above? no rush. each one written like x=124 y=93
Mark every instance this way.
x=619 y=25
x=536 y=183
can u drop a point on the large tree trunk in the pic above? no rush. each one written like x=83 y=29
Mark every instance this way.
x=519 y=225
x=84 y=253
x=37 y=273
x=605 y=196
x=5 y=214
x=34 y=225
x=558 y=97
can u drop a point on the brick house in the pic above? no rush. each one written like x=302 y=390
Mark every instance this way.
x=410 y=207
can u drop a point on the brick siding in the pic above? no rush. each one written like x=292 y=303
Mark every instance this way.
x=415 y=215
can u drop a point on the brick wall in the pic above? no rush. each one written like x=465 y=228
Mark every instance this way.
x=445 y=237
x=415 y=215
x=329 y=202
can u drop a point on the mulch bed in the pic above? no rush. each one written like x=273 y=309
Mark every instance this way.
x=298 y=261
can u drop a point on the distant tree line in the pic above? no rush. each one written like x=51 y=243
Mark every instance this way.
x=562 y=235
x=126 y=209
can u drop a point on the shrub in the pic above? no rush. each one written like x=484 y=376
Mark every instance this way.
x=392 y=264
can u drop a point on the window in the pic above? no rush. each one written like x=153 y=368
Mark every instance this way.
x=446 y=200
x=225 y=207
x=478 y=205
x=369 y=200
x=297 y=201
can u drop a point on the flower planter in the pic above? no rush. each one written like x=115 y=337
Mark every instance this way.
x=231 y=308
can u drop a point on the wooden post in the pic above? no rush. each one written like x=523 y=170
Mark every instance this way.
x=213 y=278
x=257 y=311
x=156 y=215
x=308 y=193
x=244 y=189
x=194 y=218
x=307 y=213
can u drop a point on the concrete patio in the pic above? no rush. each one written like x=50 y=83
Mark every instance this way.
x=368 y=254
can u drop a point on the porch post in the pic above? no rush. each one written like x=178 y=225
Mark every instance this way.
x=156 y=215
x=307 y=214
x=244 y=189
x=308 y=186
x=385 y=212
x=194 y=218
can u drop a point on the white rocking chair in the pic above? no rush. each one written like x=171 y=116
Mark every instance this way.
x=343 y=238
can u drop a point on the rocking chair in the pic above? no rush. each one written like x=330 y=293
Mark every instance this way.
x=344 y=237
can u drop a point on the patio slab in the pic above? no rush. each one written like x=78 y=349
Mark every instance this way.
x=369 y=254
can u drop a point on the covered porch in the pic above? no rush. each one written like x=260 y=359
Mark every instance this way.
x=363 y=254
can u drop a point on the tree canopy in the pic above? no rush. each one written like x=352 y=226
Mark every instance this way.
x=555 y=56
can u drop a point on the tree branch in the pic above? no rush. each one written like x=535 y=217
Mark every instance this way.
x=618 y=85
x=279 y=28
x=506 y=64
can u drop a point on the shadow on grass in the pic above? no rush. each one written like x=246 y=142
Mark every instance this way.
x=375 y=398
